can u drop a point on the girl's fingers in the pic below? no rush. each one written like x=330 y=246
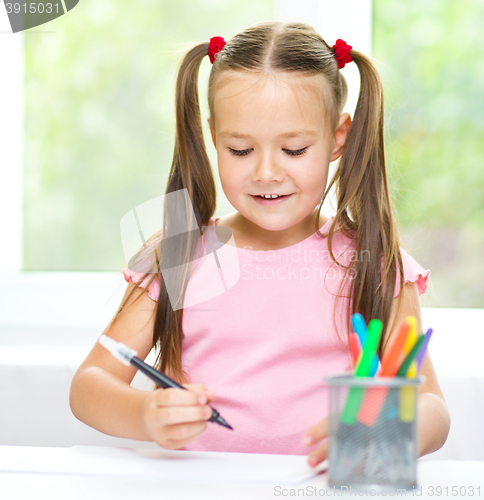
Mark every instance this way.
x=178 y=397
x=174 y=417
x=169 y=415
x=184 y=432
x=316 y=433
x=318 y=455
x=176 y=444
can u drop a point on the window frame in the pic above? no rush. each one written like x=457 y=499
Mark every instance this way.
x=11 y=150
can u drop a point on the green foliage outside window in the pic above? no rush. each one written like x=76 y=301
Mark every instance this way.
x=431 y=56
x=99 y=121
x=99 y=96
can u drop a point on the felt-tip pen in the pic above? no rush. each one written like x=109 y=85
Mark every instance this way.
x=128 y=356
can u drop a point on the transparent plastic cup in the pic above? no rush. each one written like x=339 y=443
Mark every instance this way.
x=372 y=431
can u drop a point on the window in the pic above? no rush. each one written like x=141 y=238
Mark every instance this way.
x=430 y=57
x=86 y=135
x=96 y=135
x=99 y=119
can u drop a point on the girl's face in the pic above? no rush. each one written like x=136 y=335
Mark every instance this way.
x=272 y=138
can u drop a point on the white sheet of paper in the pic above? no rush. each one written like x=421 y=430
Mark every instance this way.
x=169 y=465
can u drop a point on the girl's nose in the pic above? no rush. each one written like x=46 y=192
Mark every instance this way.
x=267 y=170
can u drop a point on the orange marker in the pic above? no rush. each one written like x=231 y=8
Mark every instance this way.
x=392 y=358
x=394 y=354
x=355 y=348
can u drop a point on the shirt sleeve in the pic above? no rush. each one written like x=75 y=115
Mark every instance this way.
x=146 y=262
x=153 y=288
x=413 y=272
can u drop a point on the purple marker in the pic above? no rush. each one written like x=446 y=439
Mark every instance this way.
x=423 y=349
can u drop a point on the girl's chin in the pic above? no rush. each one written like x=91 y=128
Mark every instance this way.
x=272 y=222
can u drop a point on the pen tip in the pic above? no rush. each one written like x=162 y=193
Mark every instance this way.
x=216 y=417
x=221 y=421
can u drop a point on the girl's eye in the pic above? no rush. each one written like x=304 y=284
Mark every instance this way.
x=299 y=152
x=237 y=152
x=244 y=152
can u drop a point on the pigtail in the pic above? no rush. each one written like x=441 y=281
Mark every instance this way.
x=190 y=170
x=364 y=207
x=191 y=167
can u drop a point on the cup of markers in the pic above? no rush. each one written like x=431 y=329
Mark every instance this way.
x=372 y=425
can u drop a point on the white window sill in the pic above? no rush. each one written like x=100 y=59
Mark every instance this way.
x=73 y=308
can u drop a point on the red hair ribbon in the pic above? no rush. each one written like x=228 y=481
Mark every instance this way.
x=342 y=52
x=215 y=46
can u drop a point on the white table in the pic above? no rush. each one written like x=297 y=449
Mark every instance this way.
x=24 y=480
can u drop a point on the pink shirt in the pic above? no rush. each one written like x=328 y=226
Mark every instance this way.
x=265 y=344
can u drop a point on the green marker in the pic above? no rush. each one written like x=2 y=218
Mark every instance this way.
x=404 y=367
x=355 y=395
x=407 y=395
x=371 y=345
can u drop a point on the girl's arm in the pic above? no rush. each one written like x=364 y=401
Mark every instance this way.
x=101 y=395
x=433 y=413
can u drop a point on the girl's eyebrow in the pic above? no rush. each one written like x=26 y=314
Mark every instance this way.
x=286 y=135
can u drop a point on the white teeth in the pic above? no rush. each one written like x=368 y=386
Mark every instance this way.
x=268 y=196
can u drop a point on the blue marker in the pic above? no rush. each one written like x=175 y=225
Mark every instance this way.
x=359 y=326
x=374 y=365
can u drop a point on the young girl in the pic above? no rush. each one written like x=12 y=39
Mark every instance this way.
x=261 y=349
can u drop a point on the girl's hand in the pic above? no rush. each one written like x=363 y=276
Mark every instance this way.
x=174 y=418
x=315 y=434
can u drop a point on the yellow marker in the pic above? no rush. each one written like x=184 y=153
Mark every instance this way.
x=407 y=394
x=412 y=334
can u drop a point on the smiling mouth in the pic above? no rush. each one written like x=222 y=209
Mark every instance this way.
x=269 y=196
x=270 y=200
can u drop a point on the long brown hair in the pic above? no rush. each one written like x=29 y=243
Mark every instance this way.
x=363 y=201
